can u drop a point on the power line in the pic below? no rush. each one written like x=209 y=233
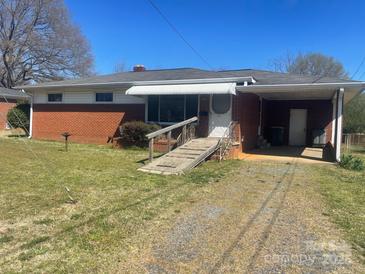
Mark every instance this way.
x=362 y=75
x=358 y=68
x=164 y=17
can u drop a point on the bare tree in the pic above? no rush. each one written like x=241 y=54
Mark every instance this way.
x=38 y=42
x=312 y=64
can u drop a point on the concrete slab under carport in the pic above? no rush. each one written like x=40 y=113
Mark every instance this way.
x=286 y=153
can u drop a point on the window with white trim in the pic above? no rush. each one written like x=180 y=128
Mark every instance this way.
x=104 y=97
x=54 y=97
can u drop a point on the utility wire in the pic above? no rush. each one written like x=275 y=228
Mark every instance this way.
x=164 y=17
x=362 y=75
x=358 y=68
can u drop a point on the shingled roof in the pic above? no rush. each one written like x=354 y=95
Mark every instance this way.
x=262 y=77
x=12 y=94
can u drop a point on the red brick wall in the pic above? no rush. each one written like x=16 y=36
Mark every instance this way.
x=246 y=111
x=88 y=123
x=4 y=108
x=204 y=105
x=319 y=116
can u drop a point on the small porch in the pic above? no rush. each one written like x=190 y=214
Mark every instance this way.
x=291 y=122
x=295 y=121
x=287 y=154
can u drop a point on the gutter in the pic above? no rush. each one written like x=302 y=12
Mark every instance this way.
x=145 y=83
x=311 y=85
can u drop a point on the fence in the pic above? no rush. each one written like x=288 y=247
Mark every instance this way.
x=353 y=142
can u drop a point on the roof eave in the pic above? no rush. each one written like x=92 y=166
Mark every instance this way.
x=289 y=87
x=140 y=83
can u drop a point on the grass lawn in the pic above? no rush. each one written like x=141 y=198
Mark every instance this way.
x=40 y=230
x=344 y=192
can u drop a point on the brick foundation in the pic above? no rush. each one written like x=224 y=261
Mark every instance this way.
x=87 y=123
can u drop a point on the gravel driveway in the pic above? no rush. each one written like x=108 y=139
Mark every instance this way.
x=265 y=219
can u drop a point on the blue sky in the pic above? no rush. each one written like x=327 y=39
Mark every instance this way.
x=229 y=34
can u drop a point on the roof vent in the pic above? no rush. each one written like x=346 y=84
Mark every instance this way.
x=139 y=68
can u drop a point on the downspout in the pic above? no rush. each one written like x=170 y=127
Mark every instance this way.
x=31 y=117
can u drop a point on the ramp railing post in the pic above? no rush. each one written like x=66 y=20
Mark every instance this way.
x=184 y=134
x=150 y=146
x=169 y=141
x=168 y=130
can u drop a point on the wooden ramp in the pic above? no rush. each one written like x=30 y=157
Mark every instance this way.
x=184 y=157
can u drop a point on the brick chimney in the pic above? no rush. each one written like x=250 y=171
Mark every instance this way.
x=139 y=68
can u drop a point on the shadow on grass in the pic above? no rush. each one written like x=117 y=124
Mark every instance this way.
x=102 y=215
x=17 y=136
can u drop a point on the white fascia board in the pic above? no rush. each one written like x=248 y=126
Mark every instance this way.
x=289 y=87
x=8 y=96
x=196 y=81
x=140 y=83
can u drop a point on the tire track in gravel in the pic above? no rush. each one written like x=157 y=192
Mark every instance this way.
x=246 y=228
x=267 y=231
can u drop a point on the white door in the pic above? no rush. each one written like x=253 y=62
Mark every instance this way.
x=220 y=114
x=298 y=127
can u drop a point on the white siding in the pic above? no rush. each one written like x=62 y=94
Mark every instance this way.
x=78 y=97
x=39 y=98
x=87 y=98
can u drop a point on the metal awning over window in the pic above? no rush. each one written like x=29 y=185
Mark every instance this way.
x=211 y=88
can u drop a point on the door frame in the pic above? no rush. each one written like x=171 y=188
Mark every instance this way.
x=212 y=112
x=292 y=142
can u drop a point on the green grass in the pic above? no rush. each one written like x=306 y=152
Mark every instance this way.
x=41 y=231
x=344 y=192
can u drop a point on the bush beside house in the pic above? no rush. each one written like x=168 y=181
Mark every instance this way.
x=19 y=117
x=134 y=133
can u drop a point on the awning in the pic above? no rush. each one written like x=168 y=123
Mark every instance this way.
x=214 y=88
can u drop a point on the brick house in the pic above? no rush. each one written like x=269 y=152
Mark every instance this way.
x=8 y=100
x=270 y=107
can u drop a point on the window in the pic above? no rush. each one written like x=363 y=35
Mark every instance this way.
x=104 y=97
x=192 y=103
x=55 y=97
x=172 y=108
x=153 y=108
x=221 y=103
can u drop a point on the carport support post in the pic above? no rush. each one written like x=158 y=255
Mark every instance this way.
x=338 y=122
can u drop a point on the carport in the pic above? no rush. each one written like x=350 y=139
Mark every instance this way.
x=296 y=120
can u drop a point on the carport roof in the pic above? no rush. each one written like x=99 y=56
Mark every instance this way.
x=12 y=94
x=259 y=77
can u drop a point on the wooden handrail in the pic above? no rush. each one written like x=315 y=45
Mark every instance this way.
x=170 y=128
x=226 y=140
